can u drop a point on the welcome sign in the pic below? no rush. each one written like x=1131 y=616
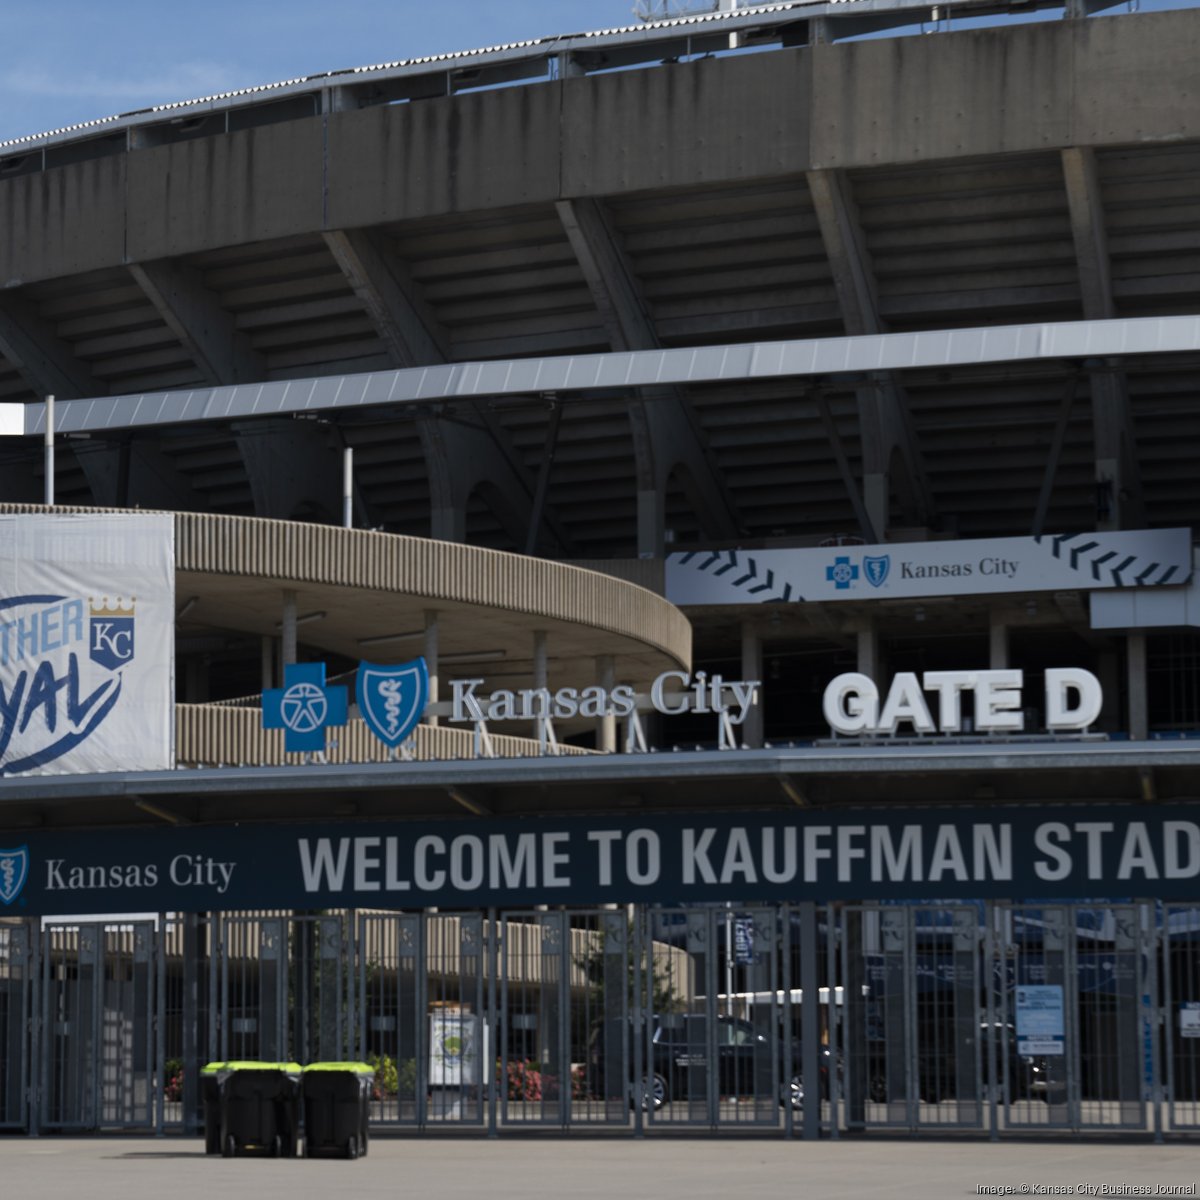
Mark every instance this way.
x=87 y=643
x=866 y=854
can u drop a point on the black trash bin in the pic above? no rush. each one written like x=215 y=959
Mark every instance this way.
x=210 y=1095
x=260 y=1108
x=337 y=1100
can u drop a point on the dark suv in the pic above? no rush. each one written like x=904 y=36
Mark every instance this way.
x=680 y=1063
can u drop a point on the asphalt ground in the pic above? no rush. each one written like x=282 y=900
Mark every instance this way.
x=176 y=1168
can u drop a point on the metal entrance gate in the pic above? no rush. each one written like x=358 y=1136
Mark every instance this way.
x=1083 y=978
x=286 y=989
x=914 y=1029
x=1002 y=1018
x=97 y=1053
x=710 y=1050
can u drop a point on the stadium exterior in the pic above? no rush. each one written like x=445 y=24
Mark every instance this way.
x=725 y=369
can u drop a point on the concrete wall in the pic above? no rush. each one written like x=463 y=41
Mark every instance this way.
x=1104 y=81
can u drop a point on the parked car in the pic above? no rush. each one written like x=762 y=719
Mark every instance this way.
x=679 y=1061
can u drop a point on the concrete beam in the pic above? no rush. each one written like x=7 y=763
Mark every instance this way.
x=885 y=426
x=403 y=321
x=1118 y=478
x=135 y=474
x=194 y=315
x=667 y=434
x=294 y=471
x=46 y=363
x=463 y=456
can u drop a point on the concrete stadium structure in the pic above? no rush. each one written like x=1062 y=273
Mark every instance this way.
x=588 y=311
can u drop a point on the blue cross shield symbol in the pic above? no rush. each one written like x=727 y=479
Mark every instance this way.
x=304 y=707
x=876 y=569
x=14 y=870
x=392 y=699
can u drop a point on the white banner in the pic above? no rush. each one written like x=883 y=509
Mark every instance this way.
x=1076 y=561
x=87 y=643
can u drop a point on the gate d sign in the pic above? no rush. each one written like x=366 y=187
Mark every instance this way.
x=852 y=701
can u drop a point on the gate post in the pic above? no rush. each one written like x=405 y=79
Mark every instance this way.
x=810 y=1050
x=35 y=1075
x=1152 y=1015
x=491 y=1023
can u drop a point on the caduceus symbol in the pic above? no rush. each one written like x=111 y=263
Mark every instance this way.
x=390 y=689
x=8 y=868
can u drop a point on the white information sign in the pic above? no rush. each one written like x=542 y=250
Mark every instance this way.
x=1189 y=1019
x=1040 y=1019
x=1077 y=561
x=453 y=1047
x=87 y=643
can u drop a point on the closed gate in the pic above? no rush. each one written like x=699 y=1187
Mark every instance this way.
x=421 y=1020
x=1074 y=996
x=285 y=989
x=16 y=961
x=915 y=1033
x=1181 y=1014
x=709 y=1050
x=564 y=1018
x=97 y=1044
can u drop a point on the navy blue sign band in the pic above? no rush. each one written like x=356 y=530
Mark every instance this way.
x=864 y=854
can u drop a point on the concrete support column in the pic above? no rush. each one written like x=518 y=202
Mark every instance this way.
x=1139 y=709
x=877 y=502
x=868 y=650
x=1108 y=671
x=997 y=644
x=651 y=523
x=540 y=677
x=752 y=668
x=267 y=658
x=431 y=659
x=288 y=632
x=606 y=727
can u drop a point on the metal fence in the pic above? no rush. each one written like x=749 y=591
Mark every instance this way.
x=997 y=1018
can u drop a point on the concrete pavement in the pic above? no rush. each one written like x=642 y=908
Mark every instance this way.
x=117 y=1168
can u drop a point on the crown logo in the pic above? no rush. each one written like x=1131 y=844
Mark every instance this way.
x=116 y=611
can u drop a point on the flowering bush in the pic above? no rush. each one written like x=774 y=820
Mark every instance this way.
x=173 y=1075
x=524 y=1080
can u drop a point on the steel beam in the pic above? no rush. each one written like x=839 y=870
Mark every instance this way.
x=209 y=334
x=578 y=377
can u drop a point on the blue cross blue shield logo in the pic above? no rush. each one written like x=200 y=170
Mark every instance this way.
x=14 y=870
x=392 y=699
x=304 y=707
x=876 y=569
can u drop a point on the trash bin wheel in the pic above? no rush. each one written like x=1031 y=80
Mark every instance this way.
x=230 y=1148
x=352 y=1147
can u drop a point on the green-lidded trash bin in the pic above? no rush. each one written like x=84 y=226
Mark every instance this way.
x=210 y=1095
x=337 y=1104
x=260 y=1107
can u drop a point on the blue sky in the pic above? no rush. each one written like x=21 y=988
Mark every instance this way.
x=69 y=60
